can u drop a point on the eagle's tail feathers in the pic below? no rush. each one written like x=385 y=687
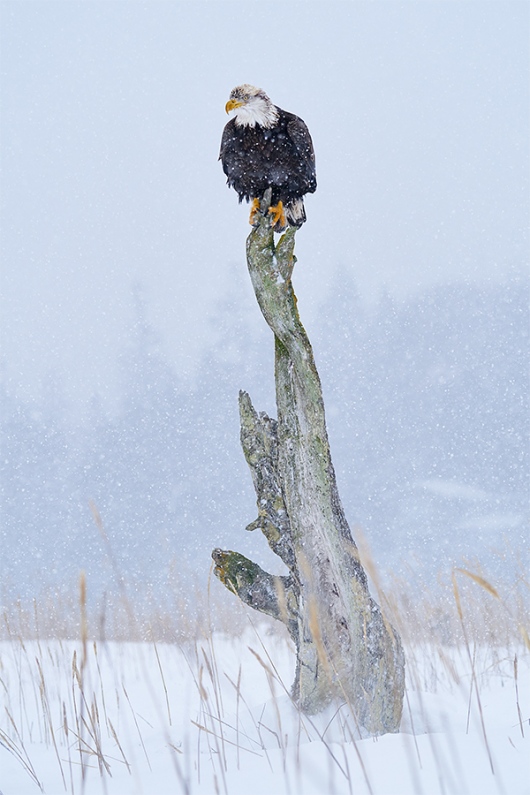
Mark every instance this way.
x=295 y=213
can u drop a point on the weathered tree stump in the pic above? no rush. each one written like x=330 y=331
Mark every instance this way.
x=346 y=649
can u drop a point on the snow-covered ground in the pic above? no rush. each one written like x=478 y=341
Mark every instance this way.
x=215 y=716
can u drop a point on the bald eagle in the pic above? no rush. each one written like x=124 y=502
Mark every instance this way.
x=264 y=147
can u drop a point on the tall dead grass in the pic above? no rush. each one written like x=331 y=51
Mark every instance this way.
x=454 y=635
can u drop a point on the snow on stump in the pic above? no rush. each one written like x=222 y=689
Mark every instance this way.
x=347 y=650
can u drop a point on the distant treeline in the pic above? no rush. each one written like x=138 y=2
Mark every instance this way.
x=427 y=406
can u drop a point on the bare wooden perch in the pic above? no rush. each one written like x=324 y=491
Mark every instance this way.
x=346 y=649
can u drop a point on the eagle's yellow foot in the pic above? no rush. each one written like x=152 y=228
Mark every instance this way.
x=254 y=209
x=278 y=221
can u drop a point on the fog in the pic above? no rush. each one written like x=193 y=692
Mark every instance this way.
x=123 y=249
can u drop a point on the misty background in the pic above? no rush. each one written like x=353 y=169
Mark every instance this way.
x=128 y=320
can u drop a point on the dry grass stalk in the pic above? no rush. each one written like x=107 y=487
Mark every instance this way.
x=480 y=581
x=515 y=677
x=19 y=750
x=473 y=675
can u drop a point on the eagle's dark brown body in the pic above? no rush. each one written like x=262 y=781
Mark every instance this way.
x=280 y=157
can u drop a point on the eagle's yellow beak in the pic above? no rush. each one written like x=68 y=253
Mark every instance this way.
x=232 y=104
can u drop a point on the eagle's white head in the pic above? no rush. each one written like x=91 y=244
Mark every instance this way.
x=252 y=106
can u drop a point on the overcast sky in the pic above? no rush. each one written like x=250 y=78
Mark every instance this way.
x=112 y=114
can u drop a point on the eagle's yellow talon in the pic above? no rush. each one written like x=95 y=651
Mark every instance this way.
x=253 y=210
x=278 y=215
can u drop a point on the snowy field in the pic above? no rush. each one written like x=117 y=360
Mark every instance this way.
x=214 y=716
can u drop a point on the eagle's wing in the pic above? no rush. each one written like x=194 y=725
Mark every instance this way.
x=228 y=136
x=301 y=138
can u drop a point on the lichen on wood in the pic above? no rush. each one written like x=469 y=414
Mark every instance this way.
x=346 y=648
